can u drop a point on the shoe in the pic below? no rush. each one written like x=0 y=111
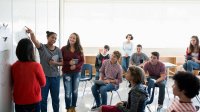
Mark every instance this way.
x=94 y=108
x=159 y=106
x=73 y=109
x=69 y=110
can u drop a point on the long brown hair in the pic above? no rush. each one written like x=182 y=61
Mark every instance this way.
x=77 y=45
x=191 y=47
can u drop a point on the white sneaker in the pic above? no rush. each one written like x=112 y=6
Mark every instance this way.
x=159 y=106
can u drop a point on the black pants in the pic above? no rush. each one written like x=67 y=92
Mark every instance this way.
x=27 y=108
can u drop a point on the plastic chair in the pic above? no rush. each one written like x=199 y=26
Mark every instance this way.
x=85 y=78
x=112 y=96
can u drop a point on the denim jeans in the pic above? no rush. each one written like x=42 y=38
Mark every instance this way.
x=101 y=90
x=97 y=75
x=71 y=83
x=161 y=86
x=125 y=63
x=27 y=108
x=190 y=66
x=52 y=84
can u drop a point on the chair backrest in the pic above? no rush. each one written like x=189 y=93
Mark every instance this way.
x=84 y=68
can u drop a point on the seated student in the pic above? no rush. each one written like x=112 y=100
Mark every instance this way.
x=138 y=58
x=111 y=75
x=186 y=86
x=136 y=96
x=27 y=78
x=100 y=59
x=192 y=55
x=155 y=69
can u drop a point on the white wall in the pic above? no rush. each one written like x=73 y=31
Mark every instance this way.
x=40 y=15
x=153 y=23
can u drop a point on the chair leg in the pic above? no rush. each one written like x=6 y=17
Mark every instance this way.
x=148 y=108
x=119 y=96
x=84 y=88
x=111 y=97
x=167 y=92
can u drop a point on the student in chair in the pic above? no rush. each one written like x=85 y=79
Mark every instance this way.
x=111 y=75
x=155 y=70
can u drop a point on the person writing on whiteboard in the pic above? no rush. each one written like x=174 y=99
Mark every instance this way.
x=50 y=59
x=27 y=78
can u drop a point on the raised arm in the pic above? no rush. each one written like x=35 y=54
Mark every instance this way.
x=33 y=38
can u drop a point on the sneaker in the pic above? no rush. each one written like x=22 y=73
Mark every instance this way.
x=159 y=106
x=94 y=108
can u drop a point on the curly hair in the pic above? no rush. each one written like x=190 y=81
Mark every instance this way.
x=188 y=83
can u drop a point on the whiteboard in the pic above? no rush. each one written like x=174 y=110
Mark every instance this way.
x=5 y=37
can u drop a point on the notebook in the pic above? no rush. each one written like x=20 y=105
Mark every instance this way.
x=99 y=82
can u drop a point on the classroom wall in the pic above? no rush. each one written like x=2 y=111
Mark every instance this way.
x=40 y=15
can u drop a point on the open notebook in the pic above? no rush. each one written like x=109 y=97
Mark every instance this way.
x=99 y=82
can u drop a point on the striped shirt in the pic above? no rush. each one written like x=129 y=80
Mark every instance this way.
x=111 y=71
x=178 y=106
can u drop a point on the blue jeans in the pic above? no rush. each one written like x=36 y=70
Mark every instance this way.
x=52 y=84
x=125 y=63
x=101 y=89
x=27 y=108
x=161 y=86
x=190 y=66
x=97 y=75
x=71 y=83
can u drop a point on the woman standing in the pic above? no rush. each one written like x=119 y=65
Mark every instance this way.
x=27 y=79
x=73 y=60
x=50 y=59
x=127 y=49
x=192 y=55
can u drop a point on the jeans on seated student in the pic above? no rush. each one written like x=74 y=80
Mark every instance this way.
x=161 y=85
x=101 y=90
x=191 y=65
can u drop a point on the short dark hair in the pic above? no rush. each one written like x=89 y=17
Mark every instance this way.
x=137 y=73
x=107 y=47
x=49 y=33
x=185 y=81
x=129 y=35
x=139 y=45
x=117 y=54
x=156 y=54
x=25 y=51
